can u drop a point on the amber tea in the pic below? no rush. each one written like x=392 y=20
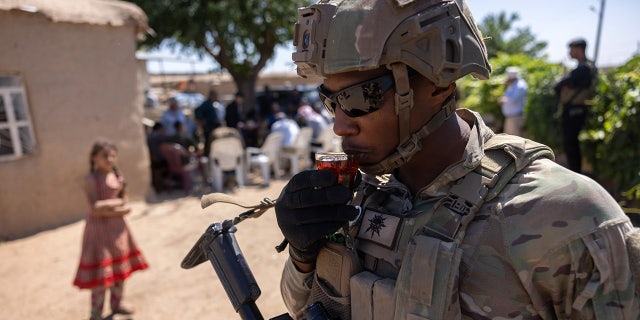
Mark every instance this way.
x=343 y=165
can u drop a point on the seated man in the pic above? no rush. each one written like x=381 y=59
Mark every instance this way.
x=182 y=138
x=287 y=126
x=193 y=154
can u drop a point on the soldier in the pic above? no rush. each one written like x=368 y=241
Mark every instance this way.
x=574 y=92
x=449 y=220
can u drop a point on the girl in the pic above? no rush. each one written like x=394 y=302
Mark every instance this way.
x=109 y=253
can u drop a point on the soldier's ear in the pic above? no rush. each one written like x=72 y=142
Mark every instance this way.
x=442 y=93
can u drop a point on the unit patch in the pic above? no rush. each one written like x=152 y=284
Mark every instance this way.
x=379 y=227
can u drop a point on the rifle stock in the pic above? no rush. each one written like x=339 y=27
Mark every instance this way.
x=218 y=245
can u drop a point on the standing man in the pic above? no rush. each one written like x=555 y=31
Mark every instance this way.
x=208 y=117
x=513 y=101
x=449 y=221
x=235 y=113
x=158 y=164
x=574 y=92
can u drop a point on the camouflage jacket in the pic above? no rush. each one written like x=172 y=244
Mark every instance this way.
x=549 y=246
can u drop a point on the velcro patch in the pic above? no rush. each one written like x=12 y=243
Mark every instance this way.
x=380 y=228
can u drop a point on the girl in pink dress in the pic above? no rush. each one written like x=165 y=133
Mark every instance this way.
x=109 y=253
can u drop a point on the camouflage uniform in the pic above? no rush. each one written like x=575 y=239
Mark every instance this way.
x=549 y=246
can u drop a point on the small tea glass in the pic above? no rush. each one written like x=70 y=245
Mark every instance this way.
x=343 y=165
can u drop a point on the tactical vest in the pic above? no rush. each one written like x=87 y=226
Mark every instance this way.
x=407 y=262
x=582 y=96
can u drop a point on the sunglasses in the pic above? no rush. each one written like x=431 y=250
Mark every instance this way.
x=359 y=99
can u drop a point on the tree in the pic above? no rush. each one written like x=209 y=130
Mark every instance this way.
x=499 y=27
x=240 y=35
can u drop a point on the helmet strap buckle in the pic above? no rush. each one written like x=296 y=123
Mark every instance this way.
x=409 y=147
x=403 y=99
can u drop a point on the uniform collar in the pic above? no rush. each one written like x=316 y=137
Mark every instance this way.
x=471 y=157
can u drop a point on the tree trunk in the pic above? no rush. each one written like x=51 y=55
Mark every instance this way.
x=246 y=83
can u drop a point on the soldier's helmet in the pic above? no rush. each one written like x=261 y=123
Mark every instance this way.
x=437 y=38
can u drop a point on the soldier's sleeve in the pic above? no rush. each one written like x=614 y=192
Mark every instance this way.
x=567 y=243
x=591 y=277
x=295 y=288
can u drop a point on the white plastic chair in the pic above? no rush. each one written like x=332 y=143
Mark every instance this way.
x=267 y=157
x=223 y=132
x=299 y=153
x=227 y=154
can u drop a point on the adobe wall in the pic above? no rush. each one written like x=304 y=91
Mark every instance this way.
x=82 y=83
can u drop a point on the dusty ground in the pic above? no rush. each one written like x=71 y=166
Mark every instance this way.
x=37 y=272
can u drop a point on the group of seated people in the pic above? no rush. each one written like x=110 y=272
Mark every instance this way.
x=172 y=158
x=177 y=147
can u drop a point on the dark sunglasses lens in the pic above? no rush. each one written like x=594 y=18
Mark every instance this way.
x=357 y=100
x=328 y=104
x=358 y=109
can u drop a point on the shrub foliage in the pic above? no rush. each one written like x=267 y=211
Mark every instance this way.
x=613 y=130
x=612 y=133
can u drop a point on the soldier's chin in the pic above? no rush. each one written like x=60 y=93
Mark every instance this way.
x=373 y=169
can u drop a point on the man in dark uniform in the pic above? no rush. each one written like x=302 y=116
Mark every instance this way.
x=207 y=117
x=235 y=113
x=158 y=164
x=574 y=93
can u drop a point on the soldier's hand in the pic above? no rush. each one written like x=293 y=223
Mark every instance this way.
x=311 y=207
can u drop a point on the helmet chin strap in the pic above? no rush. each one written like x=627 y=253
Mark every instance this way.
x=412 y=143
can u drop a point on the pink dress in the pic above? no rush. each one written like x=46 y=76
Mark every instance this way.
x=109 y=253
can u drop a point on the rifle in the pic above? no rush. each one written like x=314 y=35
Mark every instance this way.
x=218 y=245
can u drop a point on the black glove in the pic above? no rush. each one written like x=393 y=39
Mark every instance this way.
x=311 y=207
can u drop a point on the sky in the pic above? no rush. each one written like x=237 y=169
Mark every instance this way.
x=555 y=21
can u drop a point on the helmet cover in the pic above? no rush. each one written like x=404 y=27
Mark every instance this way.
x=437 y=38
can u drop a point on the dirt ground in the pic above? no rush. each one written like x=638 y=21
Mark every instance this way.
x=37 y=272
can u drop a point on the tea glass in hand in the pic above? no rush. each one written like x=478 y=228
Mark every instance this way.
x=343 y=165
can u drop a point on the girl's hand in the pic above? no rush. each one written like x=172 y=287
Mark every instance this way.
x=108 y=203
x=111 y=208
x=122 y=210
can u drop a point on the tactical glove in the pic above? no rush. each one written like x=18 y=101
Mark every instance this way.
x=311 y=207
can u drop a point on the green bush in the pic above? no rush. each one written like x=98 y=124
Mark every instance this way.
x=541 y=124
x=613 y=130
x=612 y=133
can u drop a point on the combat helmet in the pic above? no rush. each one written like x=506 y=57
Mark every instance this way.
x=436 y=38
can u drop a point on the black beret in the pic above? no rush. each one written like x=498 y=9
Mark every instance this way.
x=578 y=43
